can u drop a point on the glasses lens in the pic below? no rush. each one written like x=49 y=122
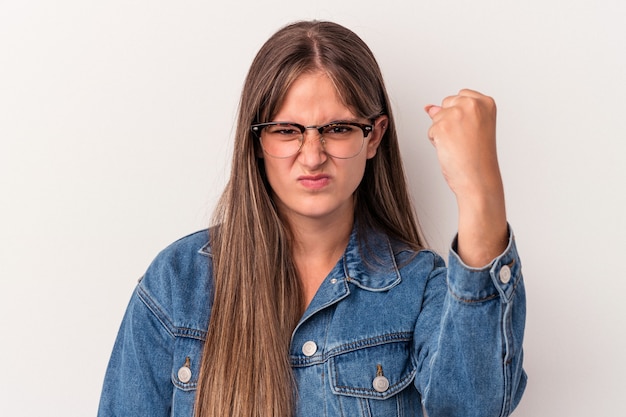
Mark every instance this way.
x=342 y=140
x=281 y=140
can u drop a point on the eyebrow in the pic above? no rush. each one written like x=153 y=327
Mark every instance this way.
x=322 y=124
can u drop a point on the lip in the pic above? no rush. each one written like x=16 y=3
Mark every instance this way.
x=314 y=182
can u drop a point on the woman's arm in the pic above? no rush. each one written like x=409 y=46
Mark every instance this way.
x=471 y=355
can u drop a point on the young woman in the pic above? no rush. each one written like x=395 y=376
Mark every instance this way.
x=313 y=294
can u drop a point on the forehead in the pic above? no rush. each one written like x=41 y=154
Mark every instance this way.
x=313 y=98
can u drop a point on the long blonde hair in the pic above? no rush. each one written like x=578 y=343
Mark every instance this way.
x=257 y=302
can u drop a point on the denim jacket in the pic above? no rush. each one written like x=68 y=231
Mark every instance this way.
x=389 y=337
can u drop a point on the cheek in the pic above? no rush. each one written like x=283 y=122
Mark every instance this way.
x=354 y=173
x=275 y=173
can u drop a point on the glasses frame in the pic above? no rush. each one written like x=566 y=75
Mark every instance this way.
x=257 y=128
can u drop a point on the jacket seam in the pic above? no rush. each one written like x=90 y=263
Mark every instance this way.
x=157 y=311
x=351 y=347
x=507 y=332
x=487 y=298
x=370 y=342
x=370 y=393
x=473 y=301
x=190 y=333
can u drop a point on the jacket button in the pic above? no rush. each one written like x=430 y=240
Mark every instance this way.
x=505 y=274
x=380 y=384
x=184 y=374
x=309 y=348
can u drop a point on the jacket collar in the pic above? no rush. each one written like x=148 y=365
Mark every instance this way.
x=368 y=263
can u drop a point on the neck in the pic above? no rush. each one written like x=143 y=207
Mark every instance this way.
x=317 y=247
x=311 y=237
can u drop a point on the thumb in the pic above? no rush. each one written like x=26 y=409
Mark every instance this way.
x=432 y=109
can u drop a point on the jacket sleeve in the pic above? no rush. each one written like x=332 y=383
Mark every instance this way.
x=468 y=338
x=137 y=381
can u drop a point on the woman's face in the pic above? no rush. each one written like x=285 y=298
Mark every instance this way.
x=311 y=184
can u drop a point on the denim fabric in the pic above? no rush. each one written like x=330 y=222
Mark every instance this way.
x=445 y=339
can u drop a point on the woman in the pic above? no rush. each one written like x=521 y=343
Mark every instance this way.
x=313 y=294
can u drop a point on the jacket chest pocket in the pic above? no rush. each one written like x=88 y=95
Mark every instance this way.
x=373 y=380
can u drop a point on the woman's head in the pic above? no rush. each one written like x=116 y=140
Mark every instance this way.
x=331 y=49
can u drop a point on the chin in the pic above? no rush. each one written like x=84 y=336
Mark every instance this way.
x=324 y=212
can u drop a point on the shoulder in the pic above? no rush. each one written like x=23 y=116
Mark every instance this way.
x=426 y=261
x=177 y=286
x=178 y=261
x=185 y=247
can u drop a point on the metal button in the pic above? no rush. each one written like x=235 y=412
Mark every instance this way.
x=380 y=384
x=505 y=274
x=309 y=348
x=333 y=281
x=184 y=373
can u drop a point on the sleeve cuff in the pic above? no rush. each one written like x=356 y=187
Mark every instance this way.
x=498 y=278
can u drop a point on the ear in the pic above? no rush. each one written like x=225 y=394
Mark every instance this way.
x=380 y=127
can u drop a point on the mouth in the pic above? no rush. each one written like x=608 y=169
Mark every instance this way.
x=314 y=182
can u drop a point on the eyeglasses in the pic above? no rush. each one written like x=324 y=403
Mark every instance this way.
x=340 y=139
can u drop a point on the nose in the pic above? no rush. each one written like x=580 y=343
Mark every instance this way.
x=312 y=152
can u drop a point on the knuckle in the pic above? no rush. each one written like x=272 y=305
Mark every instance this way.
x=448 y=101
x=456 y=112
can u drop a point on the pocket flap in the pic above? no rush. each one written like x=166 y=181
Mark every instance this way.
x=353 y=373
x=186 y=363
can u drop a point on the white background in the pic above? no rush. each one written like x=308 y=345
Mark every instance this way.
x=116 y=120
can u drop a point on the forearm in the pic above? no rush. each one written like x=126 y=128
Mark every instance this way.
x=482 y=224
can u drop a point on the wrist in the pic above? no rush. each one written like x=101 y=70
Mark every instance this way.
x=483 y=230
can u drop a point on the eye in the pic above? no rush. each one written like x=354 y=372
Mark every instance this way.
x=338 y=129
x=287 y=131
x=283 y=130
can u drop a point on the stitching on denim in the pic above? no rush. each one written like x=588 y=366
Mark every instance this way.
x=365 y=407
x=341 y=411
x=159 y=313
x=189 y=386
x=507 y=331
x=370 y=392
x=298 y=361
x=352 y=346
x=191 y=333
x=156 y=310
x=323 y=372
x=472 y=301
x=399 y=409
x=370 y=342
x=491 y=297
